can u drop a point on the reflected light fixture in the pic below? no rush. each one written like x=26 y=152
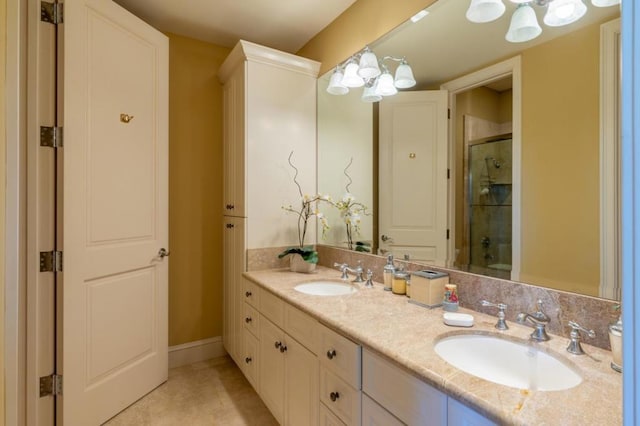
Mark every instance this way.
x=524 y=22
x=365 y=69
x=418 y=16
x=481 y=11
x=564 y=12
x=524 y=25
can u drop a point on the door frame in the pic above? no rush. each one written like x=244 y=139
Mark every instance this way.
x=610 y=232
x=14 y=279
x=510 y=67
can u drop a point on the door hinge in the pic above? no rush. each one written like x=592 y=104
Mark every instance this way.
x=449 y=113
x=50 y=385
x=50 y=261
x=447 y=234
x=51 y=12
x=448 y=173
x=51 y=136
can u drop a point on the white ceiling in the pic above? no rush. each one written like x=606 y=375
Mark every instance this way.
x=282 y=24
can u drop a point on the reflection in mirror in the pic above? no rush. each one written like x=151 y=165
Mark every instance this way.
x=561 y=230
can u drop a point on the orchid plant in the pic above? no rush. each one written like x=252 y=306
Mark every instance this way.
x=307 y=209
x=351 y=212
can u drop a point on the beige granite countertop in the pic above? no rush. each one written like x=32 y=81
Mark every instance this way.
x=404 y=333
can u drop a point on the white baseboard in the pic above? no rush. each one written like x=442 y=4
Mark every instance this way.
x=192 y=352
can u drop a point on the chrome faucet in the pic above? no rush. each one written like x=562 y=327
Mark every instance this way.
x=539 y=320
x=369 y=283
x=574 y=345
x=345 y=269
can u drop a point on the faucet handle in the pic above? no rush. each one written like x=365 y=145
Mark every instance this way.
x=574 y=345
x=501 y=324
x=369 y=283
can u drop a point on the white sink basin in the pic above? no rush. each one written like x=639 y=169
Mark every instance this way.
x=507 y=362
x=325 y=288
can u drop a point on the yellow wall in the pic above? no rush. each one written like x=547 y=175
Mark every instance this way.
x=364 y=22
x=560 y=162
x=3 y=53
x=195 y=190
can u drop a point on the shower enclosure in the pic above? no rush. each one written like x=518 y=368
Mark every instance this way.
x=488 y=210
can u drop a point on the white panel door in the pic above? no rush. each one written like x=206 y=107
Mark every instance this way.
x=413 y=175
x=115 y=211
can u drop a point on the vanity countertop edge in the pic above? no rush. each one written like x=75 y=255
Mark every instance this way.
x=405 y=334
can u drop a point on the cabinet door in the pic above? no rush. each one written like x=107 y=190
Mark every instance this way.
x=233 y=265
x=374 y=415
x=403 y=395
x=234 y=143
x=272 y=372
x=301 y=385
x=250 y=362
x=461 y=415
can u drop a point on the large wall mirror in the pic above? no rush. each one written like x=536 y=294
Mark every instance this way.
x=501 y=161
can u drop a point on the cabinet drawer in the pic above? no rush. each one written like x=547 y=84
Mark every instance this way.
x=342 y=399
x=251 y=293
x=272 y=307
x=327 y=418
x=250 y=359
x=301 y=327
x=251 y=319
x=340 y=356
x=374 y=415
x=405 y=396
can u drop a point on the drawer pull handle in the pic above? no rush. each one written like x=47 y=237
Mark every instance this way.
x=230 y=206
x=331 y=354
x=278 y=344
x=334 y=396
x=248 y=360
x=247 y=320
x=283 y=348
x=247 y=293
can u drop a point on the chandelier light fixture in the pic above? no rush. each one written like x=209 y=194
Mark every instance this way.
x=524 y=22
x=365 y=70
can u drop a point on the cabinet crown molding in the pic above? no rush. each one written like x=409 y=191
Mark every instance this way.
x=246 y=50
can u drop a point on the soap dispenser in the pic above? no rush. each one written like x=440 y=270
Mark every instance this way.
x=615 y=338
x=387 y=273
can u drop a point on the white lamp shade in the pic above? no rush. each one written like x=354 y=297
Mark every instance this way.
x=369 y=93
x=605 y=3
x=335 y=84
x=524 y=25
x=520 y=1
x=564 y=12
x=351 y=77
x=385 y=86
x=404 y=76
x=481 y=11
x=368 y=65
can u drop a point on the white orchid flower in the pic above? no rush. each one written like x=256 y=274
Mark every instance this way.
x=347 y=198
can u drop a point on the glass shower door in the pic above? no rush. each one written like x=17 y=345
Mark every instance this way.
x=489 y=207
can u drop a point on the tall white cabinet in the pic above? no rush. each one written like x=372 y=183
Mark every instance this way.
x=269 y=111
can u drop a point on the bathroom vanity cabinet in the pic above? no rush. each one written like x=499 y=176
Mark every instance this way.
x=269 y=111
x=309 y=374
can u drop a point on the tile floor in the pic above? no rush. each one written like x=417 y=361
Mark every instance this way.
x=207 y=393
